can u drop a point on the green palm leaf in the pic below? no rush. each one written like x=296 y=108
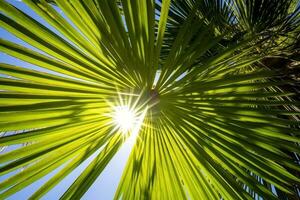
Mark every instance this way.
x=210 y=122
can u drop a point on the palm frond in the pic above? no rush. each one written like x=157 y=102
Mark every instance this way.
x=213 y=125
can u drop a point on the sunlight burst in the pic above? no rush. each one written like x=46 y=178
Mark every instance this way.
x=124 y=118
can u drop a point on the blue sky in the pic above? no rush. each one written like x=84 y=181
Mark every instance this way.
x=106 y=184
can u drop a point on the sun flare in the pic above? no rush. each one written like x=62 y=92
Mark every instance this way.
x=124 y=118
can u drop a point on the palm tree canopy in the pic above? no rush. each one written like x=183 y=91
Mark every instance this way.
x=210 y=120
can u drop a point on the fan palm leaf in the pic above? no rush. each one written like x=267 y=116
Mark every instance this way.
x=211 y=123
